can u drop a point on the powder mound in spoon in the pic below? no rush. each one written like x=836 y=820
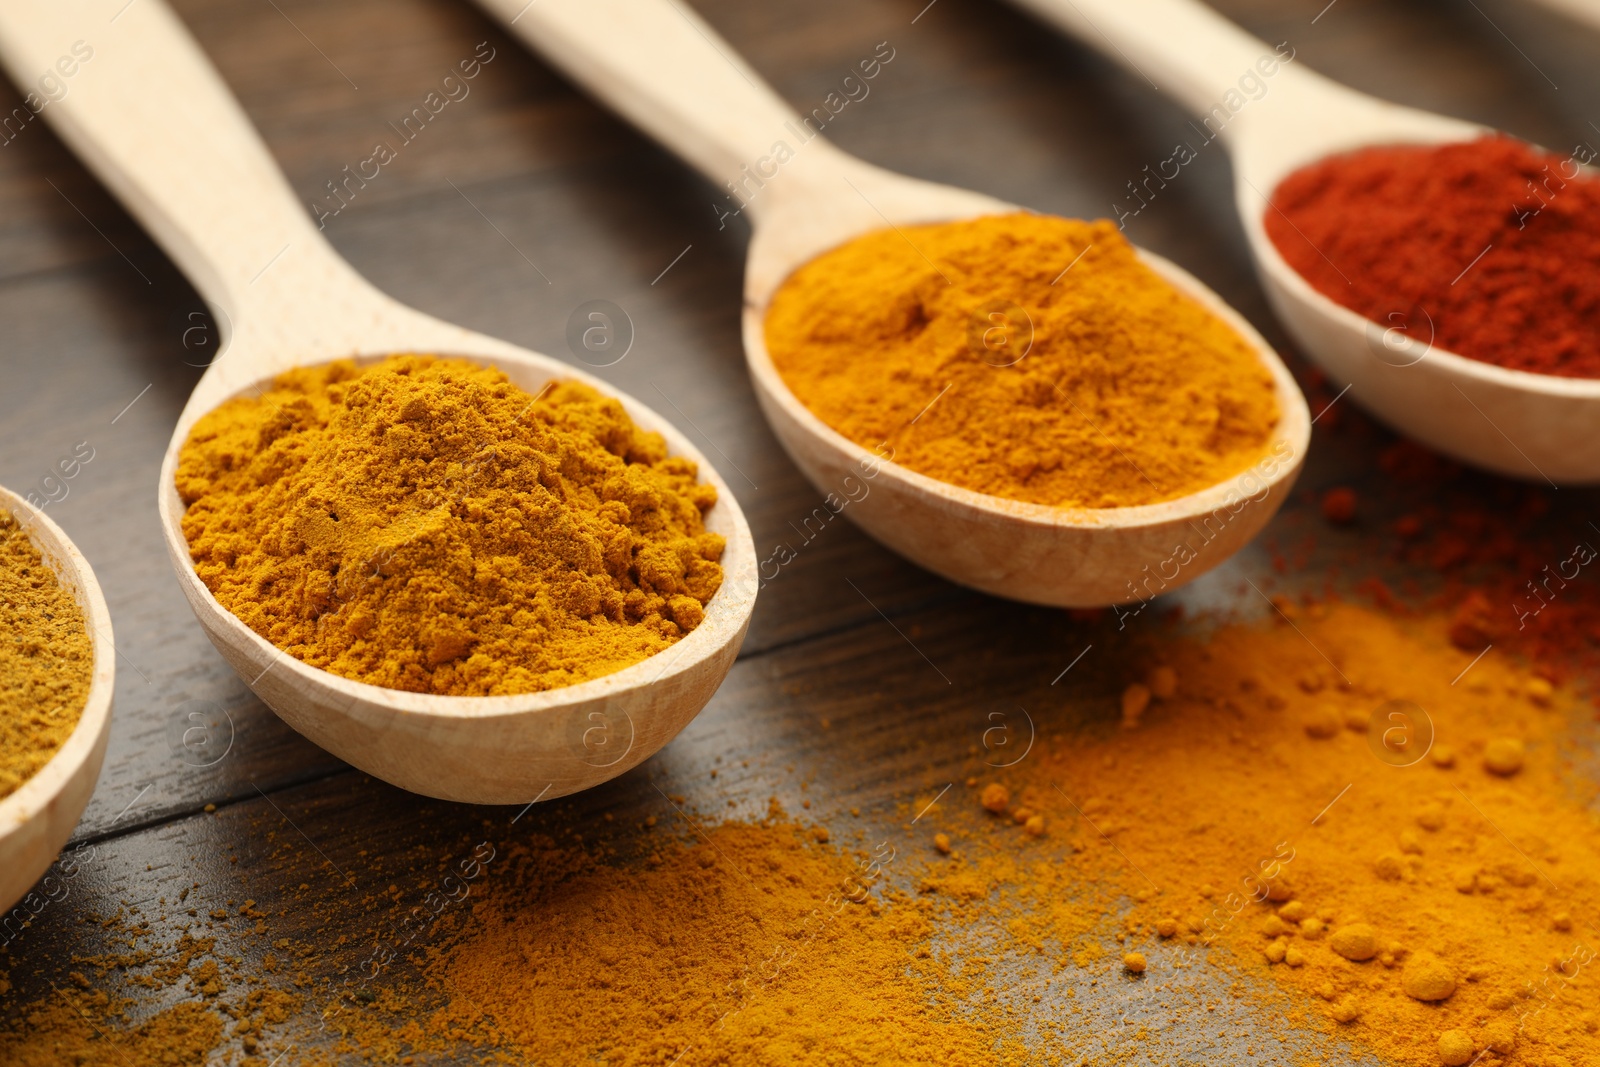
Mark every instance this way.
x=1489 y=249
x=423 y=524
x=1022 y=356
x=46 y=659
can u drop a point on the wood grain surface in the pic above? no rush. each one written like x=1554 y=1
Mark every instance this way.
x=864 y=681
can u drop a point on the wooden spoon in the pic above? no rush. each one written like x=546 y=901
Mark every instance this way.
x=152 y=118
x=1586 y=11
x=666 y=70
x=1534 y=426
x=37 y=819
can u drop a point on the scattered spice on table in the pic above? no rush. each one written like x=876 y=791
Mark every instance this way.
x=1489 y=249
x=1511 y=563
x=1250 y=839
x=1023 y=356
x=65 y=1033
x=1421 y=903
x=46 y=659
x=1286 y=816
x=424 y=524
x=81 y=1024
x=1414 y=895
x=755 y=945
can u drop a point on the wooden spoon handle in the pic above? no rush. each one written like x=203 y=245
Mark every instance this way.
x=127 y=87
x=660 y=65
x=1216 y=70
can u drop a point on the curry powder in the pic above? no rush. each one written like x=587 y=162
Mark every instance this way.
x=1330 y=810
x=1258 y=833
x=46 y=659
x=423 y=524
x=1024 y=356
x=757 y=945
x=1246 y=868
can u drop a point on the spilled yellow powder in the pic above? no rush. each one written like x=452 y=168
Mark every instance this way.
x=1436 y=912
x=65 y=1032
x=1402 y=909
x=1409 y=909
x=1023 y=356
x=756 y=945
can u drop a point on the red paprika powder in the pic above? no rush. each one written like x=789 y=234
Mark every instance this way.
x=1494 y=243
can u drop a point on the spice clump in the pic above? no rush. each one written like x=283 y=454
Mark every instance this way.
x=46 y=659
x=1023 y=356
x=424 y=524
x=1489 y=249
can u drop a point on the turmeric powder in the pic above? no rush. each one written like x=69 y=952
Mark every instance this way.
x=1335 y=893
x=46 y=659
x=1417 y=905
x=423 y=524
x=61 y=1033
x=1023 y=356
x=1401 y=908
x=757 y=945
x=82 y=1024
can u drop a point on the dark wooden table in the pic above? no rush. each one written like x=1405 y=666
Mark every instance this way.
x=978 y=95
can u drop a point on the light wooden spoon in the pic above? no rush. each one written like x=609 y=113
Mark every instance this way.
x=1533 y=426
x=37 y=819
x=1587 y=11
x=152 y=118
x=666 y=70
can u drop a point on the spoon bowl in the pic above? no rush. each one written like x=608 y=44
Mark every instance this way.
x=658 y=64
x=151 y=116
x=1531 y=426
x=499 y=749
x=37 y=819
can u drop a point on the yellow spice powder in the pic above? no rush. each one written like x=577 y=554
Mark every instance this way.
x=1249 y=835
x=758 y=945
x=1412 y=899
x=424 y=524
x=46 y=659
x=1023 y=356
x=1282 y=813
